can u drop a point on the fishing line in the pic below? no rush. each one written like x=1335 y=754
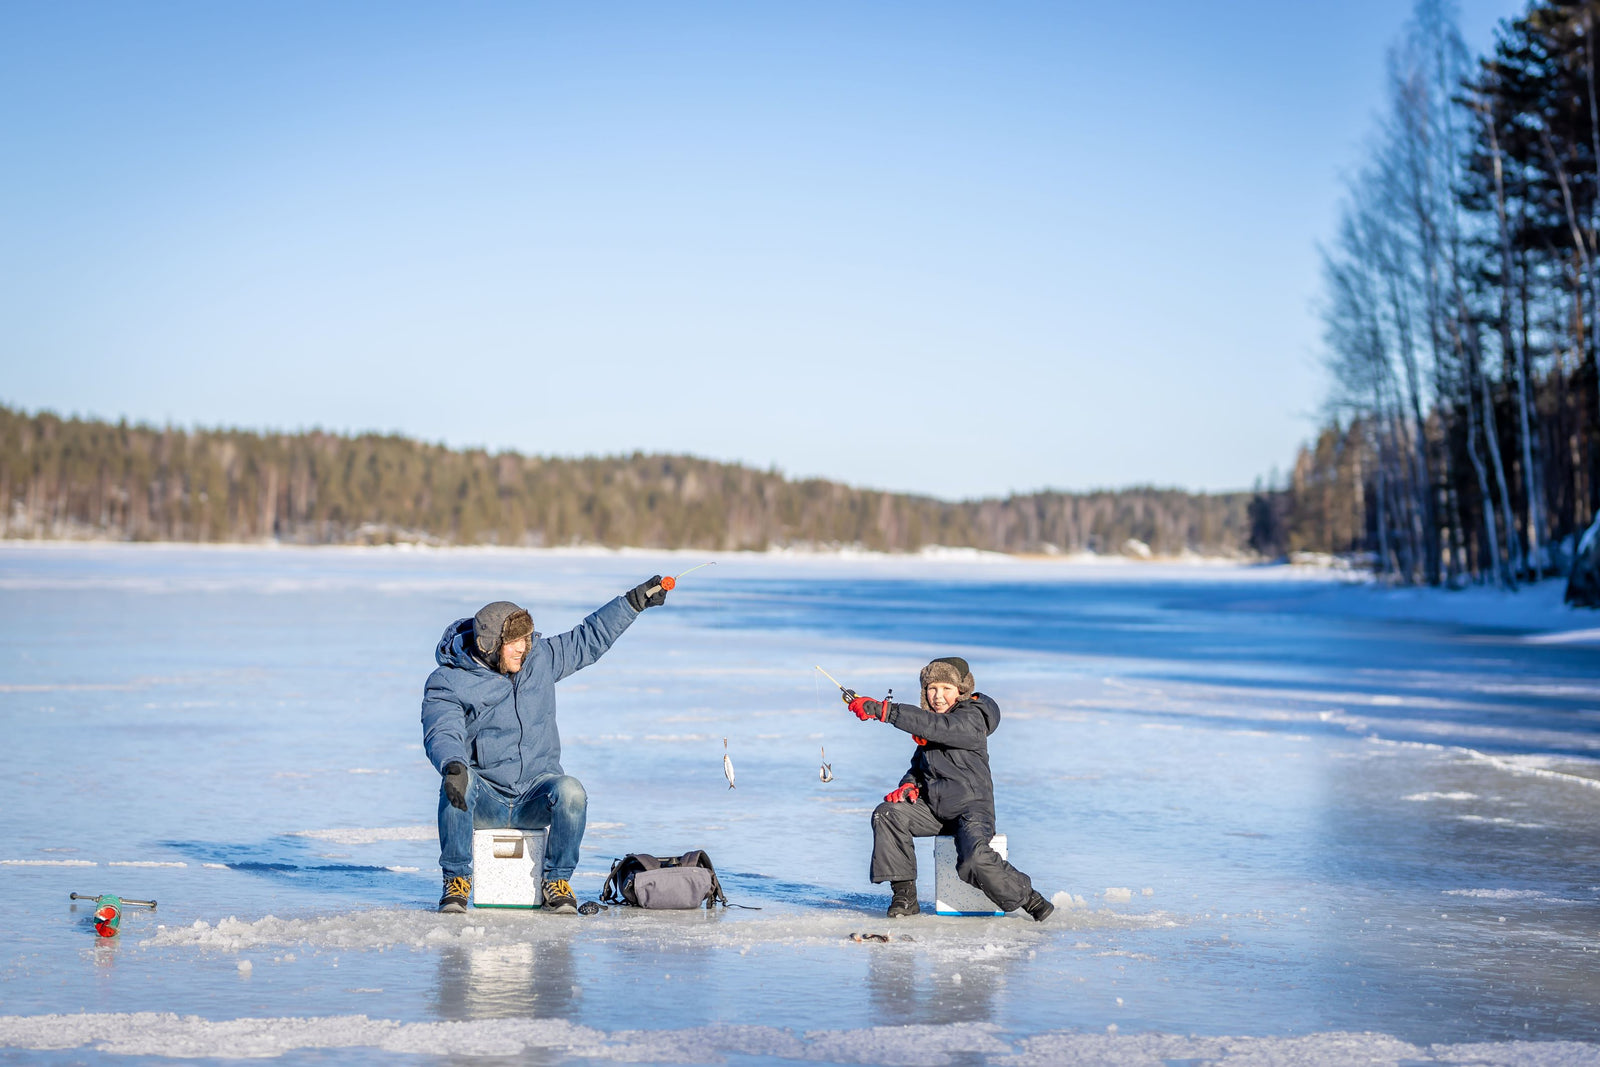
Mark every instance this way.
x=830 y=678
x=826 y=772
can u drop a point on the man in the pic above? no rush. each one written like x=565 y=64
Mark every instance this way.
x=489 y=727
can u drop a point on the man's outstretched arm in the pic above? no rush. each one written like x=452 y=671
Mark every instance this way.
x=588 y=641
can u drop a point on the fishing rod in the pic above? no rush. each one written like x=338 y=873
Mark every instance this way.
x=671 y=582
x=849 y=694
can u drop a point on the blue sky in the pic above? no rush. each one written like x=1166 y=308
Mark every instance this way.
x=962 y=249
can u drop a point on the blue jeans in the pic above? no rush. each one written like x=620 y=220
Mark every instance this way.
x=556 y=801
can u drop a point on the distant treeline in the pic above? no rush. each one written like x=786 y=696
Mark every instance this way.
x=74 y=478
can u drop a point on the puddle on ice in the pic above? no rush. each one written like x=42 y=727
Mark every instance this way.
x=1307 y=871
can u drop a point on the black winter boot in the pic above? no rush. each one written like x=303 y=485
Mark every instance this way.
x=559 y=897
x=905 y=899
x=1038 y=907
x=456 y=892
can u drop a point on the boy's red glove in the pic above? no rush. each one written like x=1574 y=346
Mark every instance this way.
x=906 y=794
x=866 y=708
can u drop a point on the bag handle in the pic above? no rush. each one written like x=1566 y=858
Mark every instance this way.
x=698 y=858
x=621 y=870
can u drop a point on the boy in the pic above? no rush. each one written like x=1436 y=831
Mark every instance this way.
x=947 y=791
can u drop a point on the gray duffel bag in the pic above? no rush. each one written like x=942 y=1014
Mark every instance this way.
x=685 y=881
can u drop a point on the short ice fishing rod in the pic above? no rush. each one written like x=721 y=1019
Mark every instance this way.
x=670 y=583
x=108 y=910
x=848 y=695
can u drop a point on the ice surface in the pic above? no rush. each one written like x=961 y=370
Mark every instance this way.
x=167 y=1034
x=1337 y=824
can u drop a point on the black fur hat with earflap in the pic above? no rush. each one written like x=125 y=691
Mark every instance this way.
x=497 y=623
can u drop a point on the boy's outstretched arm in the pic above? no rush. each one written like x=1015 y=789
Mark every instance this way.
x=964 y=727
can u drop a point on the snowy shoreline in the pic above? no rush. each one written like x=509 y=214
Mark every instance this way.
x=929 y=552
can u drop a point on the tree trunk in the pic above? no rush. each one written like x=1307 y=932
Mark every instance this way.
x=1507 y=341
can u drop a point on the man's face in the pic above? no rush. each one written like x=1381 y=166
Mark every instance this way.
x=512 y=653
x=942 y=696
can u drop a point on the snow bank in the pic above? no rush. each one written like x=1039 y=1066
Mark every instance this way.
x=146 y=863
x=1566 y=637
x=1584 y=772
x=929 y=935
x=1321 y=1050
x=1498 y=894
x=358 y=836
x=48 y=863
x=190 y=1037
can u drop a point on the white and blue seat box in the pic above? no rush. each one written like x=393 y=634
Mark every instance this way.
x=507 y=868
x=952 y=896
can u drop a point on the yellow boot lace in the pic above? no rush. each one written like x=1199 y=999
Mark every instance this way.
x=558 y=888
x=458 y=887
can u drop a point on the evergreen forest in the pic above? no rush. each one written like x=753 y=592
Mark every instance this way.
x=64 y=478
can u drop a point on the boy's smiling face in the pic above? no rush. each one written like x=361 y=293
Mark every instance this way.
x=942 y=696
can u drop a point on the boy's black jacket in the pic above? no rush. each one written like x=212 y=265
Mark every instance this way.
x=952 y=769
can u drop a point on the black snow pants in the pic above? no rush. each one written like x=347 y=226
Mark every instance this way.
x=894 y=857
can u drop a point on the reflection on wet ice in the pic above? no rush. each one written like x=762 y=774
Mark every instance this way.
x=906 y=990
x=518 y=980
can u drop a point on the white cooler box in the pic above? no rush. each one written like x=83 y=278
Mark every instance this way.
x=507 y=868
x=952 y=896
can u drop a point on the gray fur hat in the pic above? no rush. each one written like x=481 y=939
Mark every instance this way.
x=951 y=669
x=497 y=623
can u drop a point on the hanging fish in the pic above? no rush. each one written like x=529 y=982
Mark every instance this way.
x=826 y=774
x=727 y=763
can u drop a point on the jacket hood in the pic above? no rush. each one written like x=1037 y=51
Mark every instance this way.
x=991 y=711
x=456 y=649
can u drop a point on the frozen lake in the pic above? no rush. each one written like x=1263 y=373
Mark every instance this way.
x=1282 y=825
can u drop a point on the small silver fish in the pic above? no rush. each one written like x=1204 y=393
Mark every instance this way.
x=727 y=764
x=826 y=774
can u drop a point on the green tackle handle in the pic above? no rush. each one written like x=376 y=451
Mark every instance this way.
x=111 y=899
x=108 y=911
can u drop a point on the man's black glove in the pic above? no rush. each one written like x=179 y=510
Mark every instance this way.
x=455 y=784
x=651 y=594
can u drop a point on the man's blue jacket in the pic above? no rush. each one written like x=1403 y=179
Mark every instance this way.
x=502 y=725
